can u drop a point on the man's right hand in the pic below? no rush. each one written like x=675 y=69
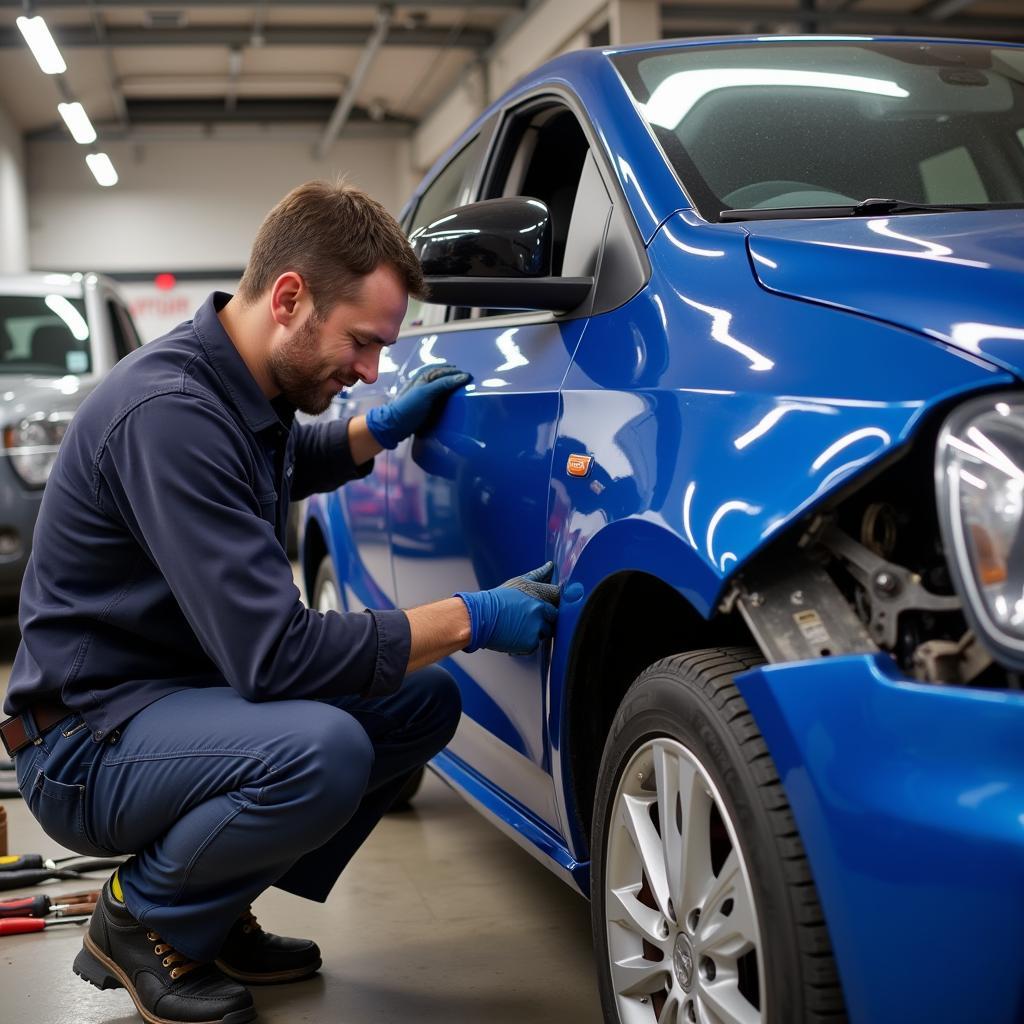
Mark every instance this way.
x=516 y=616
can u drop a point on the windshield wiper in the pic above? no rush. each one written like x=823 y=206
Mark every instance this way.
x=865 y=208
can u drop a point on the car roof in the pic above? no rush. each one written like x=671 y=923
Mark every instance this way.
x=71 y=286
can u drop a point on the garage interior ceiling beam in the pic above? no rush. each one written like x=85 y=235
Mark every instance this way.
x=311 y=112
x=347 y=99
x=939 y=9
x=241 y=35
x=43 y=6
x=676 y=14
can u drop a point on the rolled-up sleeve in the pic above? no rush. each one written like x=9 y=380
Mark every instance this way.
x=177 y=471
x=323 y=459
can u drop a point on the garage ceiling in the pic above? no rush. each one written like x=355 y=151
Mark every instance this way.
x=380 y=70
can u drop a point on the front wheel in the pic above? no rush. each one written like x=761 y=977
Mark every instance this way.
x=704 y=909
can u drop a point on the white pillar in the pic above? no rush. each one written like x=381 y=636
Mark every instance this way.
x=634 y=21
x=13 y=199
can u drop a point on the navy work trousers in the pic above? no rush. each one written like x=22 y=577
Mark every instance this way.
x=220 y=798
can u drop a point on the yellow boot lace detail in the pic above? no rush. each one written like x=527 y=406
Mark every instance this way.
x=178 y=964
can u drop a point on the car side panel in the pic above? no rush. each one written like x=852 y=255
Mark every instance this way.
x=468 y=510
x=716 y=414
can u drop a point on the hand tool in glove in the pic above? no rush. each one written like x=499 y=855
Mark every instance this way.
x=516 y=616
x=411 y=410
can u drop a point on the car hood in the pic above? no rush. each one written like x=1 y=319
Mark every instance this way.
x=958 y=277
x=22 y=395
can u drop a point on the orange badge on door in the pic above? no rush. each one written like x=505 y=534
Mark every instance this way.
x=578 y=465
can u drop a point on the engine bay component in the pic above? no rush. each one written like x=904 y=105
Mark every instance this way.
x=948 y=661
x=796 y=612
x=889 y=589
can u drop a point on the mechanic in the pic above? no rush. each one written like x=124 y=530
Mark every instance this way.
x=172 y=697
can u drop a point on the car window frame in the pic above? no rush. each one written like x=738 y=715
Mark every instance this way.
x=501 y=123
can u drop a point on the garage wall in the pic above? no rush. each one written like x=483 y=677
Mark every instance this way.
x=13 y=199
x=183 y=206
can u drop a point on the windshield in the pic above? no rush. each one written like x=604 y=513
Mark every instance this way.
x=44 y=335
x=772 y=125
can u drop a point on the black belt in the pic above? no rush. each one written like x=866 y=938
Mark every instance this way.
x=14 y=733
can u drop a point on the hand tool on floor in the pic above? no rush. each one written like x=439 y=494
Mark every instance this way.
x=24 y=925
x=31 y=869
x=42 y=906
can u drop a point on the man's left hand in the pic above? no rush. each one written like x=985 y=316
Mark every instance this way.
x=407 y=413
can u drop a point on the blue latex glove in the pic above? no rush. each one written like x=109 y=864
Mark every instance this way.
x=403 y=416
x=516 y=616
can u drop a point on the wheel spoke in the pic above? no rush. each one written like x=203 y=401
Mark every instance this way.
x=672 y=1011
x=636 y=814
x=695 y=870
x=627 y=910
x=668 y=775
x=638 y=976
x=721 y=1002
x=727 y=936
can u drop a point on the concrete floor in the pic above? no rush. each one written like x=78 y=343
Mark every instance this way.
x=439 y=918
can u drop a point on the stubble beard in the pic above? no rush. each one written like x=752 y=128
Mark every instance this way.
x=302 y=377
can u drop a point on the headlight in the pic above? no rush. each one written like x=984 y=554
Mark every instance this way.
x=979 y=473
x=31 y=445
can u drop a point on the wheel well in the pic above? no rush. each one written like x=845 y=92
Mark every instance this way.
x=314 y=548
x=632 y=620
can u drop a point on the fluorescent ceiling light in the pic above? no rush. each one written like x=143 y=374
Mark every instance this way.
x=75 y=321
x=102 y=169
x=41 y=43
x=679 y=93
x=78 y=122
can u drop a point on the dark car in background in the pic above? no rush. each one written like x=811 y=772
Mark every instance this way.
x=59 y=334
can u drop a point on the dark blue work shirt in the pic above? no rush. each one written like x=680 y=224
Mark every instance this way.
x=157 y=562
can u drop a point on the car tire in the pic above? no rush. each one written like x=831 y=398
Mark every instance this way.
x=326 y=594
x=749 y=942
x=327 y=597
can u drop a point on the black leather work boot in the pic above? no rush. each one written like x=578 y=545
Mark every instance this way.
x=165 y=985
x=256 y=957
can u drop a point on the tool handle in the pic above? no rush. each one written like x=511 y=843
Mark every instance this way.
x=23 y=879
x=25 y=906
x=22 y=862
x=79 y=897
x=21 y=925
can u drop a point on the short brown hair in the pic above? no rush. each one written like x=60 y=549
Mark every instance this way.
x=333 y=236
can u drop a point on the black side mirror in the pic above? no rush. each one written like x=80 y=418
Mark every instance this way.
x=495 y=254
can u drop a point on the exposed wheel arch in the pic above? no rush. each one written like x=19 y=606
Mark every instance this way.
x=314 y=548
x=631 y=620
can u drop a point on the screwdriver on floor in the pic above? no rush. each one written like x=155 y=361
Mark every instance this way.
x=41 y=906
x=24 y=925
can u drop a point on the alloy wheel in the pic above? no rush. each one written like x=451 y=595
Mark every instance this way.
x=327 y=597
x=683 y=939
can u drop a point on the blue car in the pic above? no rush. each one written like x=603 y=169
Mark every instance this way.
x=745 y=319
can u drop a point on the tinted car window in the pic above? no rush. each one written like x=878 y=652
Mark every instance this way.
x=43 y=334
x=802 y=125
x=125 y=338
x=449 y=189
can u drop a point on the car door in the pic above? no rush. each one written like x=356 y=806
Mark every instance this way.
x=468 y=501
x=359 y=510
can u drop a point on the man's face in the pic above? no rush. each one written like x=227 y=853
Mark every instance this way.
x=322 y=356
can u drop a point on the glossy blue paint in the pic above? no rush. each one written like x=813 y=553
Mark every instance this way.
x=954 y=276
x=911 y=797
x=764 y=366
